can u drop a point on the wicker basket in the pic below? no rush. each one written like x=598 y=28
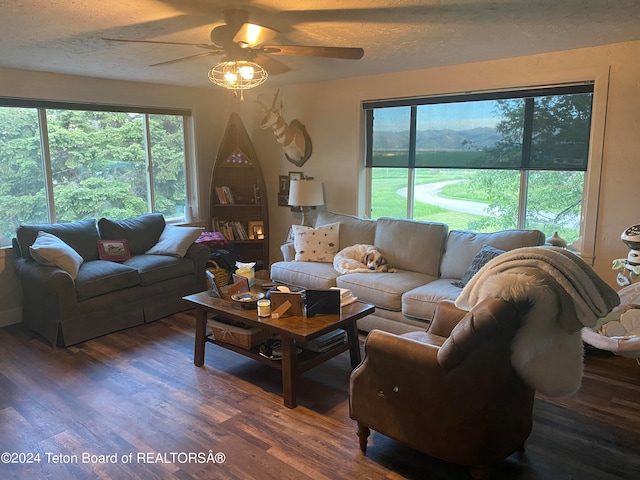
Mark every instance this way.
x=221 y=275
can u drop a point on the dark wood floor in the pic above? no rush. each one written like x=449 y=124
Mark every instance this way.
x=137 y=394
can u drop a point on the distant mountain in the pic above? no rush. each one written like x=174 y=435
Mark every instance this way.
x=447 y=139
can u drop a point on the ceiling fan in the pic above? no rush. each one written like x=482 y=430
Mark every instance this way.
x=246 y=58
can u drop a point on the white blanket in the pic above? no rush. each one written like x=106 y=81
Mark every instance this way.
x=565 y=294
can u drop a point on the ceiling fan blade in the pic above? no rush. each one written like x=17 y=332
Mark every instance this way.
x=348 y=53
x=184 y=59
x=271 y=65
x=157 y=42
x=234 y=18
x=252 y=34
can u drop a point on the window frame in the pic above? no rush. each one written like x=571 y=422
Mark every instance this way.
x=41 y=107
x=599 y=78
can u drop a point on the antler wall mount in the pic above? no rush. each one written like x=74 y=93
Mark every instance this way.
x=293 y=137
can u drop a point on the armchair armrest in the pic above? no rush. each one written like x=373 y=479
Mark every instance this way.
x=473 y=362
x=401 y=390
x=395 y=368
x=445 y=318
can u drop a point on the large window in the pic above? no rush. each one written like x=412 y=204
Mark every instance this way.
x=483 y=162
x=65 y=164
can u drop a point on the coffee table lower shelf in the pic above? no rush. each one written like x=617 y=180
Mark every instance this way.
x=305 y=360
x=290 y=329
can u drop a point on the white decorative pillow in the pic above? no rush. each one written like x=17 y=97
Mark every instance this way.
x=175 y=241
x=49 y=250
x=316 y=244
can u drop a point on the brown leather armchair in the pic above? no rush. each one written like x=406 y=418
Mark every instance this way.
x=450 y=393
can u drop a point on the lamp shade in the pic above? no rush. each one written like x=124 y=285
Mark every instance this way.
x=305 y=193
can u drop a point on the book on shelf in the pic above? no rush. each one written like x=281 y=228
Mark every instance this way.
x=242 y=232
x=232 y=230
x=224 y=195
x=220 y=196
x=228 y=195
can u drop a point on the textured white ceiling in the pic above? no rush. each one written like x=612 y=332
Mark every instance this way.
x=65 y=36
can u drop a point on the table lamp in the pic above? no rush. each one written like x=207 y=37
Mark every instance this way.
x=305 y=194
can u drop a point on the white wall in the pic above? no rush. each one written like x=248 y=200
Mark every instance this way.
x=332 y=114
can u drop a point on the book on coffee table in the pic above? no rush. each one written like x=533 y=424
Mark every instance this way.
x=326 y=342
x=346 y=297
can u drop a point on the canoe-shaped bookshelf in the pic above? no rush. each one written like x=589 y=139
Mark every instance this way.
x=238 y=200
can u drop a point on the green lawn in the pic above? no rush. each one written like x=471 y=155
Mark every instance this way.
x=387 y=202
x=461 y=191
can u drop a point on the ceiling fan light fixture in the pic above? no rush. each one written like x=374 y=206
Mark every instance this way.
x=238 y=74
x=246 y=72
x=253 y=33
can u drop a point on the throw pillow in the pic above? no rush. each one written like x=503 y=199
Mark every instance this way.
x=483 y=257
x=49 y=250
x=141 y=232
x=175 y=241
x=114 y=250
x=316 y=244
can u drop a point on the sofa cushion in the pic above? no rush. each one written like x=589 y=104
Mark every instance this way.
x=50 y=250
x=463 y=245
x=157 y=268
x=316 y=244
x=421 y=302
x=383 y=290
x=82 y=236
x=141 y=232
x=305 y=274
x=175 y=241
x=410 y=244
x=353 y=230
x=99 y=277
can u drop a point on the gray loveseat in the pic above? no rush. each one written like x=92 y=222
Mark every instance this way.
x=106 y=296
x=431 y=262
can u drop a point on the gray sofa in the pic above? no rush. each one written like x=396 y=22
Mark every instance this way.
x=431 y=262
x=106 y=296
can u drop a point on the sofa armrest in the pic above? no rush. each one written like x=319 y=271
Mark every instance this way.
x=199 y=254
x=288 y=252
x=51 y=287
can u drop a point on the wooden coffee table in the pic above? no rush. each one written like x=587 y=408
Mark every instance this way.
x=291 y=329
